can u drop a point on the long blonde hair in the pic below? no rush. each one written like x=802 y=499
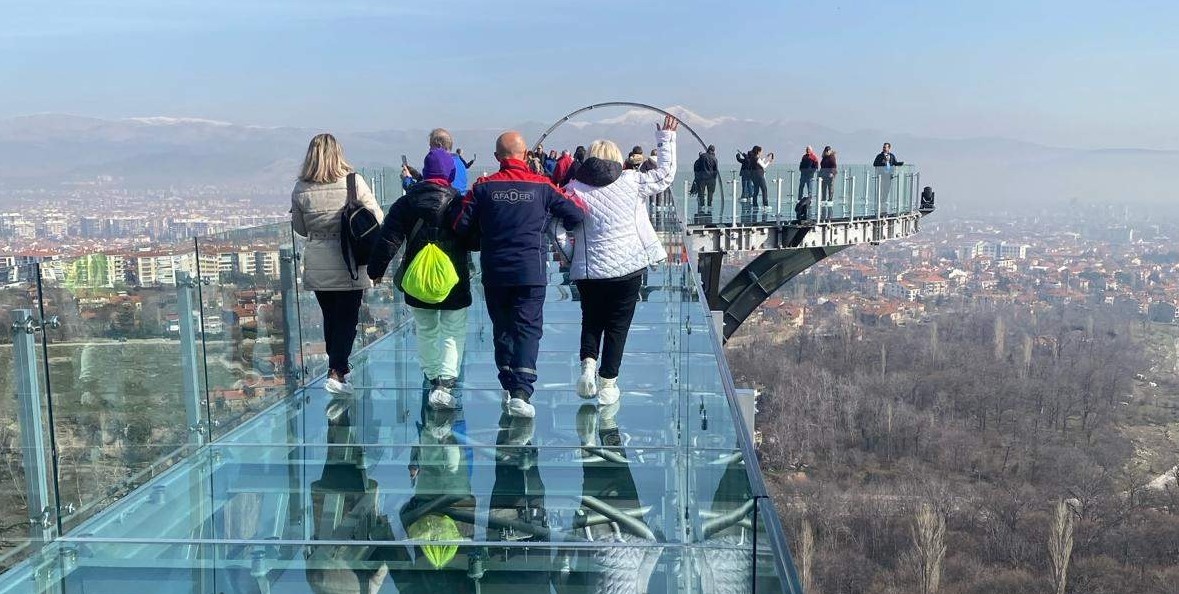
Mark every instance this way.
x=324 y=162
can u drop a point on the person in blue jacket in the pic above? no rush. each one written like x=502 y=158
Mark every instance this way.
x=509 y=211
x=440 y=138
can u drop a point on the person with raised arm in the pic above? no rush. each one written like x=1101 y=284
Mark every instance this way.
x=612 y=249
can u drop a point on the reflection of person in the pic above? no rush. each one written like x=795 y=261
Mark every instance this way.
x=885 y=164
x=509 y=211
x=612 y=248
x=516 y=510
x=317 y=201
x=726 y=526
x=417 y=219
x=611 y=511
x=344 y=504
x=442 y=507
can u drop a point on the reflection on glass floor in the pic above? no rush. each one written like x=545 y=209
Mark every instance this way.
x=377 y=493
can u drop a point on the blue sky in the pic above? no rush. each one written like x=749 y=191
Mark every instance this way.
x=1075 y=73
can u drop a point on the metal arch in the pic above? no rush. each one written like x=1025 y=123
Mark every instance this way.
x=720 y=187
x=561 y=121
x=767 y=273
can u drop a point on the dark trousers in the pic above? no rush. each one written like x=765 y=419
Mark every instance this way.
x=517 y=320
x=341 y=313
x=706 y=187
x=607 y=308
x=758 y=182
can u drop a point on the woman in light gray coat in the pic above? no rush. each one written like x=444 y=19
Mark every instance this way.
x=316 y=204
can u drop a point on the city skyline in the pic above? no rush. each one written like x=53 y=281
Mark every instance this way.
x=1056 y=73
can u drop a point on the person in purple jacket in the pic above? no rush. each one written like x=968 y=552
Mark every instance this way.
x=509 y=212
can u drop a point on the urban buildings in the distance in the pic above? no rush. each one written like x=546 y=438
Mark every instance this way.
x=141 y=237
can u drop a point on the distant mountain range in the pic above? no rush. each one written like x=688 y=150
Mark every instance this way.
x=975 y=173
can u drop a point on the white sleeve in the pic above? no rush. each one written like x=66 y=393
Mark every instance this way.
x=660 y=178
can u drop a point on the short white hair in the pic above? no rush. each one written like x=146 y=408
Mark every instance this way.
x=606 y=151
x=441 y=138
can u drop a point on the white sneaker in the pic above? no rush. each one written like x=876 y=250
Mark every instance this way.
x=608 y=391
x=335 y=386
x=518 y=405
x=587 y=386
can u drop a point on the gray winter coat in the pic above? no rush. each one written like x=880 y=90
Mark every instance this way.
x=315 y=214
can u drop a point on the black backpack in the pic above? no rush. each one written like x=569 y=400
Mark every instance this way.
x=358 y=229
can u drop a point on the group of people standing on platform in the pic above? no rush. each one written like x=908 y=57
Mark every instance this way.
x=591 y=211
x=754 y=163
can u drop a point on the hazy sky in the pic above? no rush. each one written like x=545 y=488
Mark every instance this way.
x=1067 y=72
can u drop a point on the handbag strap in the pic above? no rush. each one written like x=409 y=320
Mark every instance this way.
x=351 y=181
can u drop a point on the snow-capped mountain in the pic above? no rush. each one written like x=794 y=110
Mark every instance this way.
x=635 y=117
x=149 y=151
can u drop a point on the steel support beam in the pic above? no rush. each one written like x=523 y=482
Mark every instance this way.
x=742 y=295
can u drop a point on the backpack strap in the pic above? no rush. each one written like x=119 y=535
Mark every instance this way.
x=345 y=230
x=438 y=214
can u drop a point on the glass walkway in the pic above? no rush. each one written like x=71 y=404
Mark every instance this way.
x=169 y=433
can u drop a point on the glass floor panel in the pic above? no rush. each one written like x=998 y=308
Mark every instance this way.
x=375 y=492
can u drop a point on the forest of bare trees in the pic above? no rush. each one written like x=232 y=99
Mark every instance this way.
x=985 y=452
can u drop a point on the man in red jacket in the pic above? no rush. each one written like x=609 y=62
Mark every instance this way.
x=509 y=211
x=561 y=172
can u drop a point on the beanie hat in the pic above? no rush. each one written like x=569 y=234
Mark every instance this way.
x=637 y=150
x=438 y=165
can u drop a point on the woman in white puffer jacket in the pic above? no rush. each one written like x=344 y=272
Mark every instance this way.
x=612 y=249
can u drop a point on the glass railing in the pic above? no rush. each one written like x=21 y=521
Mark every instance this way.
x=849 y=193
x=175 y=414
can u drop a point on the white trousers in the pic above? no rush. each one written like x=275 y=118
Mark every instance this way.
x=441 y=338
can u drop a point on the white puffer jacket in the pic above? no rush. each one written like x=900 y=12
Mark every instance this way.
x=617 y=238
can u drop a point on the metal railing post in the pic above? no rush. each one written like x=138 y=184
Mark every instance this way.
x=790 y=197
x=818 y=182
x=290 y=312
x=42 y=514
x=189 y=371
x=778 y=180
x=879 y=195
x=736 y=204
x=916 y=203
x=851 y=202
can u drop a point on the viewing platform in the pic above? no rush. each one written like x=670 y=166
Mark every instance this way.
x=203 y=455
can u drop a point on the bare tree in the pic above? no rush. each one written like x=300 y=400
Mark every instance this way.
x=806 y=552
x=929 y=540
x=1060 y=545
